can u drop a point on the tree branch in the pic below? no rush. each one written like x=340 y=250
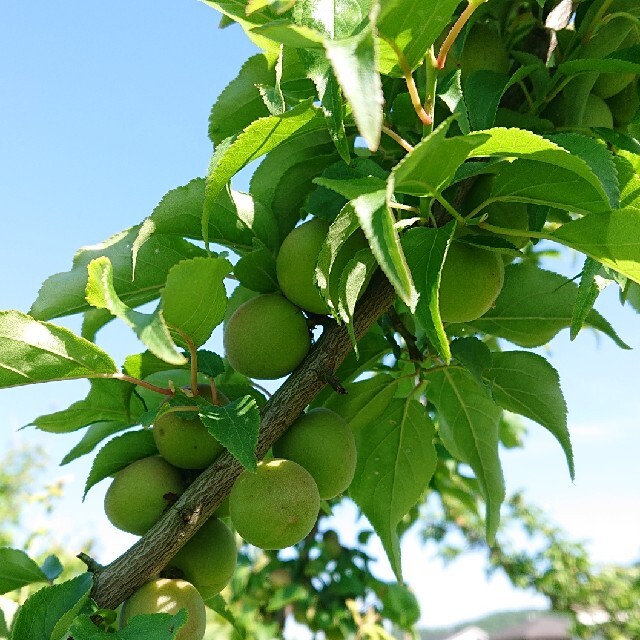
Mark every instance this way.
x=118 y=580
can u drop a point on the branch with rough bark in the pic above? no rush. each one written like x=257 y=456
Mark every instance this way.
x=118 y=580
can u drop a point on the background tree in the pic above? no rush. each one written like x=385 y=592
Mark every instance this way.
x=415 y=298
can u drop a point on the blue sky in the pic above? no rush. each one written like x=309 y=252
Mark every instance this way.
x=104 y=108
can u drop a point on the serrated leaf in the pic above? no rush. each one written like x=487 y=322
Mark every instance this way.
x=598 y=157
x=33 y=351
x=468 y=421
x=283 y=179
x=48 y=613
x=209 y=363
x=257 y=271
x=417 y=174
x=534 y=305
x=425 y=250
x=620 y=61
x=525 y=383
x=95 y=434
x=235 y=426
x=17 y=570
x=120 y=453
x=257 y=139
x=352 y=188
x=396 y=459
x=150 y=328
x=107 y=400
x=65 y=293
x=413 y=25
x=588 y=291
x=218 y=604
x=194 y=299
x=378 y=224
x=354 y=61
x=157 y=626
x=473 y=354
x=142 y=365
x=612 y=238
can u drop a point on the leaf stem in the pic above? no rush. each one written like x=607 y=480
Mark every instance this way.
x=140 y=383
x=454 y=33
x=450 y=208
x=431 y=70
x=411 y=83
x=193 y=357
x=394 y=136
x=514 y=232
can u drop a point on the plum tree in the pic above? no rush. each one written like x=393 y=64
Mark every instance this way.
x=165 y=595
x=296 y=265
x=185 y=442
x=322 y=442
x=139 y=494
x=470 y=282
x=209 y=558
x=275 y=507
x=483 y=50
x=266 y=337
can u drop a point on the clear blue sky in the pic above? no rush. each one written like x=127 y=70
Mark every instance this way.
x=104 y=108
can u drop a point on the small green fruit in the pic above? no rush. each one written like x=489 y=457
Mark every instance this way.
x=186 y=443
x=275 y=507
x=280 y=578
x=267 y=337
x=597 y=113
x=331 y=544
x=483 y=50
x=169 y=596
x=322 y=442
x=140 y=493
x=470 y=282
x=296 y=265
x=209 y=558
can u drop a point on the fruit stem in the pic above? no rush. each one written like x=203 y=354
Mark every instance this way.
x=431 y=70
x=514 y=232
x=193 y=356
x=450 y=208
x=454 y=33
x=406 y=335
x=259 y=387
x=411 y=83
x=394 y=136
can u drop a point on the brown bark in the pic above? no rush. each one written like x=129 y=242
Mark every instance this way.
x=118 y=580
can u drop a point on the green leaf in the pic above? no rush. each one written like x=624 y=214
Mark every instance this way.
x=209 y=363
x=425 y=250
x=48 y=613
x=525 y=383
x=588 y=290
x=396 y=459
x=612 y=238
x=33 y=351
x=413 y=25
x=598 y=157
x=620 y=61
x=65 y=293
x=52 y=567
x=235 y=426
x=157 y=626
x=17 y=570
x=353 y=188
x=354 y=62
x=95 y=434
x=473 y=354
x=469 y=422
x=257 y=271
x=194 y=299
x=283 y=179
x=378 y=225
x=534 y=305
x=107 y=400
x=150 y=328
x=257 y=139
x=120 y=453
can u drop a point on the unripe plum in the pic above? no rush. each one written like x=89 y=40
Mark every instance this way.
x=471 y=280
x=624 y=105
x=169 y=596
x=597 y=113
x=209 y=558
x=296 y=265
x=322 y=442
x=266 y=337
x=275 y=507
x=136 y=500
x=184 y=442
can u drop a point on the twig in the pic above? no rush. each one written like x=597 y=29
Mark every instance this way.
x=394 y=136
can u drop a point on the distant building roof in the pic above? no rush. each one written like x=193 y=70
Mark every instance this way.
x=542 y=628
x=469 y=633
